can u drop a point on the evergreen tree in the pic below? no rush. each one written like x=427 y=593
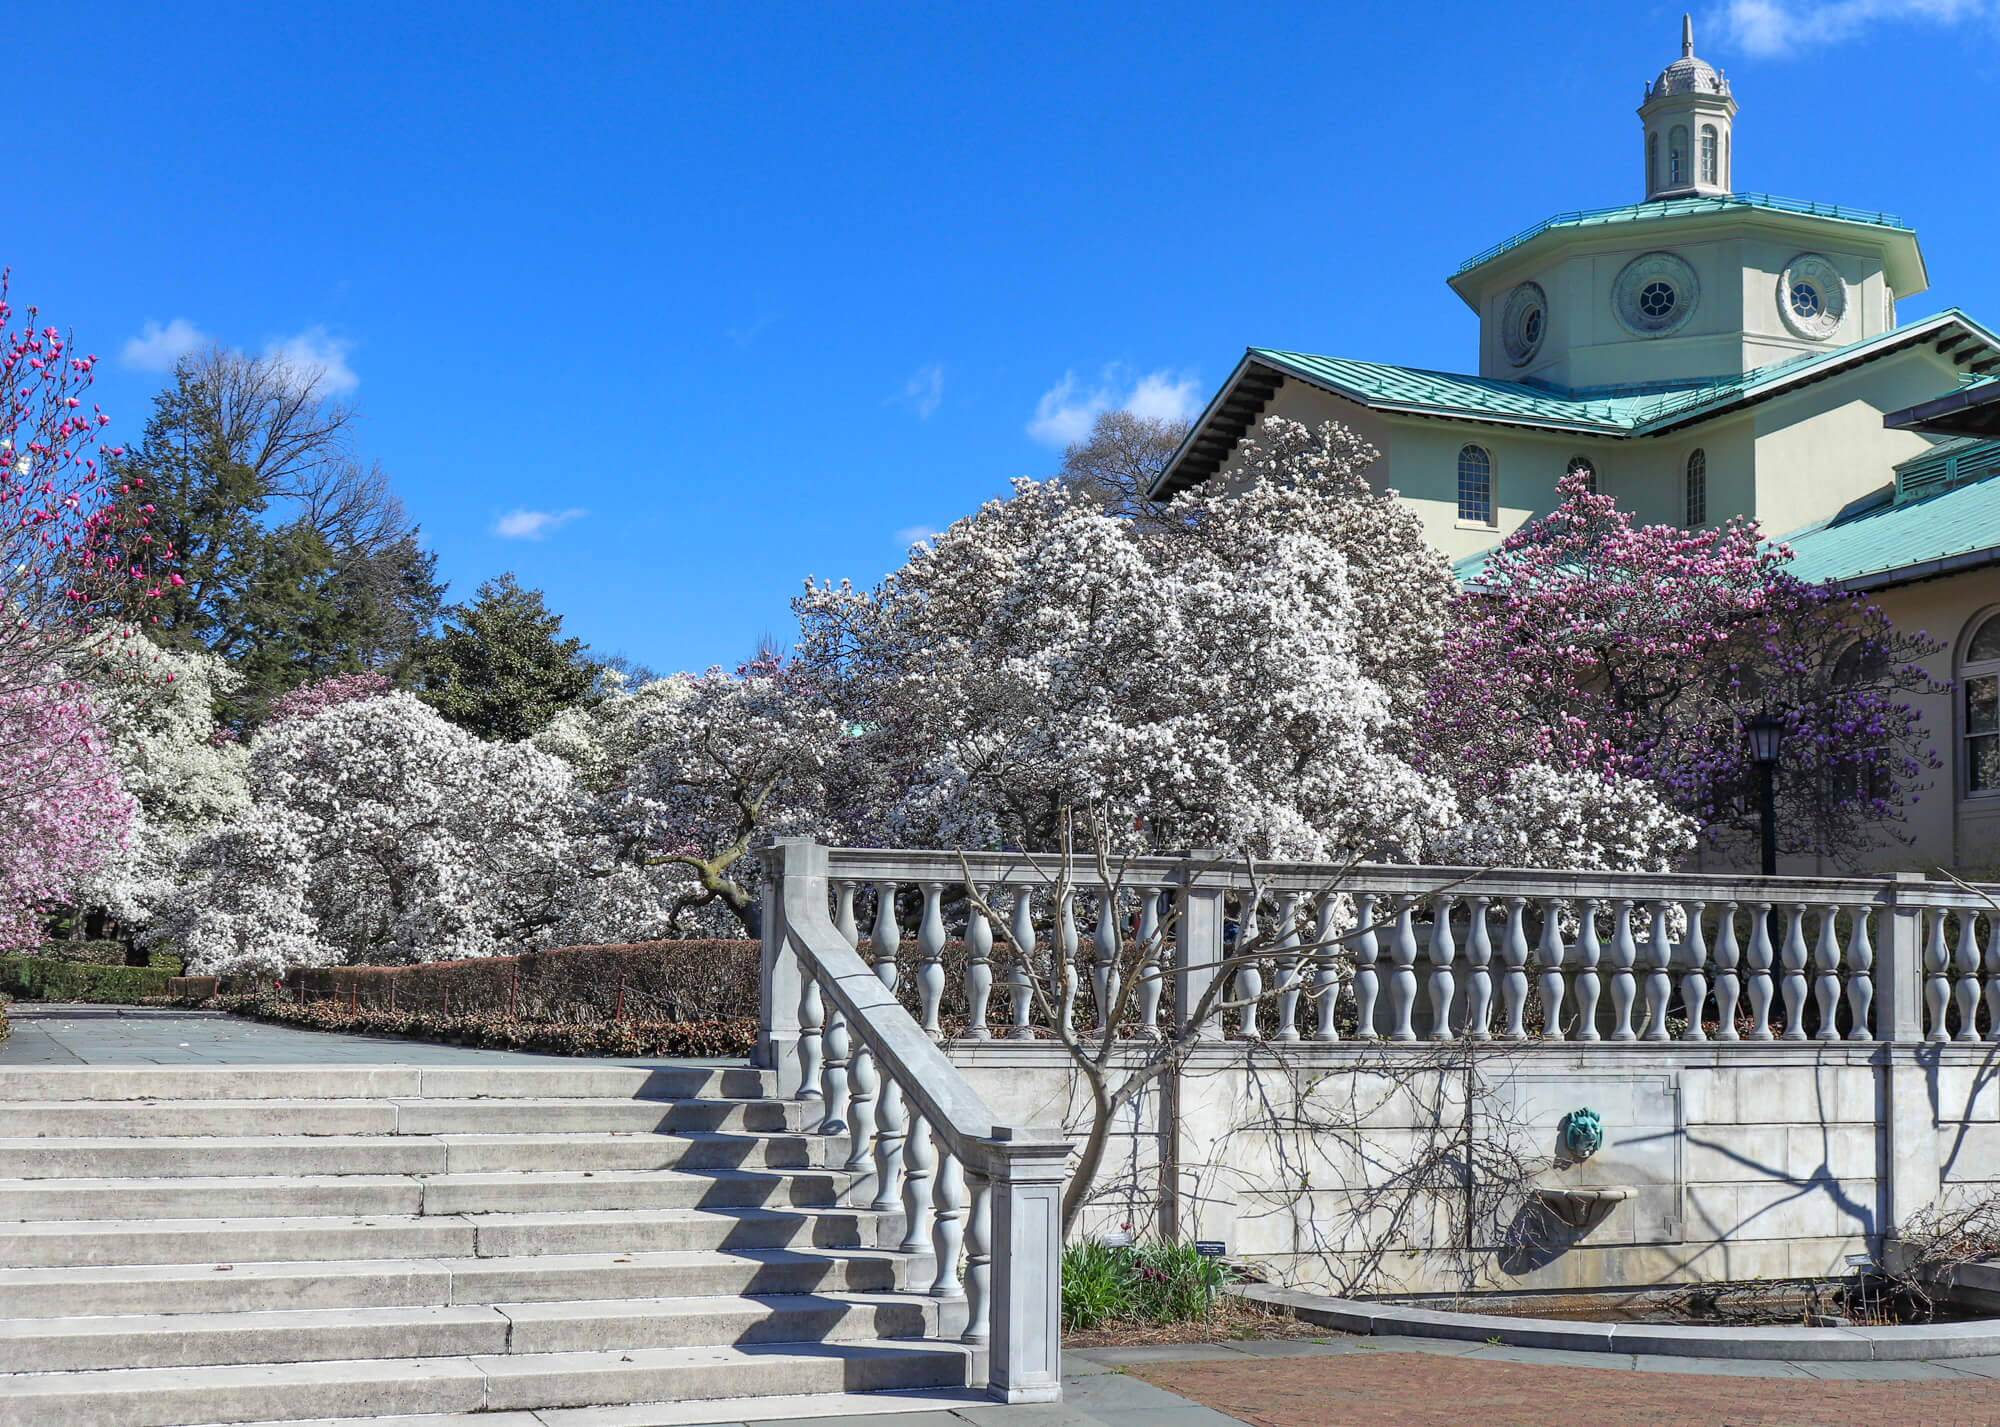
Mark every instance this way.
x=501 y=668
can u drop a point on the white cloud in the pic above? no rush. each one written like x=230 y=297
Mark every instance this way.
x=157 y=348
x=1784 y=27
x=923 y=391
x=533 y=524
x=911 y=534
x=314 y=349
x=1067 y=410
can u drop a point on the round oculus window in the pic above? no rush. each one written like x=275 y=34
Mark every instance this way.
x=1812 y=298
x=1523 y=322
x=1655 y=294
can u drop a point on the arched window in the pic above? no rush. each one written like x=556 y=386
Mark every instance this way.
x=1979 y=676
x=1582 y=466
x=1475 y=485
x=1652 y=163
x=1711 y=157
x=1697 y=489
x=1677 y=157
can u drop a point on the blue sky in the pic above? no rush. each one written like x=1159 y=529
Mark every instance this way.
x=666 y=306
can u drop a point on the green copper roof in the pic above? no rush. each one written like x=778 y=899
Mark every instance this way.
x=1620 y=411
x=1681 y=208
x=1889 y=543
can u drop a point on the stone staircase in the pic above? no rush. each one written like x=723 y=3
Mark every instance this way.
x=201 y=1245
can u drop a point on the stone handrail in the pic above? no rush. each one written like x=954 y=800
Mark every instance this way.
x=836 y=1034
x=1435 y=953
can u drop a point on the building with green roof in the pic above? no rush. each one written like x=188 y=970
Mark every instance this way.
x=1702 y=354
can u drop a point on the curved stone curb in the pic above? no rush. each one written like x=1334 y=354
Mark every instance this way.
x=1902 y=1343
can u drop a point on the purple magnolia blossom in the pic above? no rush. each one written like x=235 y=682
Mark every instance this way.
x=1588 y=641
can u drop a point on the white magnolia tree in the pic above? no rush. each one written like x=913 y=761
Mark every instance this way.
x=187 y=778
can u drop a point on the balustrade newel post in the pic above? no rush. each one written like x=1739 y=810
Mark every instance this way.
x=1443 y=952
x=1793 y=987
x=930 y=965
x=1287 y=962
x=1326 y=968
x=1025 y=1361
x=978 y=971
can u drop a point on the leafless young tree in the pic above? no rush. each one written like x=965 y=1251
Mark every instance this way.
x=1119 y=463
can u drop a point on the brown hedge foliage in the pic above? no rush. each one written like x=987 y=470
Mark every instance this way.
x=661 y=981
x=712 y=1038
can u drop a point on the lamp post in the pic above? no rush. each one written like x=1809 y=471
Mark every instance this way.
x=1764 y=733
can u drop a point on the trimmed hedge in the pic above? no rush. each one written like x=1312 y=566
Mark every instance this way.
x=4 y=1027
x=83 y=953
x=660 y=981
x=38 y=978
x=708 y=1038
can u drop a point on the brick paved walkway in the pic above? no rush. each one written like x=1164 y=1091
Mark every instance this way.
x=1392 y=1389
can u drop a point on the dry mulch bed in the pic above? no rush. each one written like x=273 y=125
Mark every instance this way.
x=1233 y=1321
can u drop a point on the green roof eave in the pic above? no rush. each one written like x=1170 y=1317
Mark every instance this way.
x=1902 y=257
x=1883 y=543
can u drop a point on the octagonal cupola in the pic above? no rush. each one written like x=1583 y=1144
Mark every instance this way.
x=1687 y=117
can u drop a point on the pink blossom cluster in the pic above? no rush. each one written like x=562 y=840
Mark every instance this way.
x=1639 y=651
x=63 y=811
x=319 y=695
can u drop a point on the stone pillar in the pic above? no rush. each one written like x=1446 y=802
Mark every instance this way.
x=1909 y=1156
x=1198 y=943
x=789 y=859
x=1025 y=1361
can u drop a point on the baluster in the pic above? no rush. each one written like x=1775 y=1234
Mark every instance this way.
x=1478 y=976
x=1288 y=961
x=978 y=1257
x=843 y=913
x=1107 y=944
x=947 y=1222
x=978 y=971
x=1826 y=985
x=1021 y=933
x=833 y=1075
x=1728 y=986
x=1793 y=984
x=930 y=964
x=1326 y=969
x=811 y=1012
x=1367 y=980
x=1065 y=950
x=889 y=1140
x=1443 y=952
x=919 y=1164
x=1249 y=975
x=863 y=1083
x=1937 y=990
x=1588 y=984
x=1514 y=983
x=1966 y=962
x=1659 y=981
x=1403 y=979
x=887 y=938
x=1757 y=961
x=1694 y=974
x=1624 y=986
x=1152 y=976
x=1549 y=956
x=1992 y=979
x=1860 y=974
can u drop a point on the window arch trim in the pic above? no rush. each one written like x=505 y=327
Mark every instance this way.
x=1475 y=485
x=1695 y=489
x=1976 y=707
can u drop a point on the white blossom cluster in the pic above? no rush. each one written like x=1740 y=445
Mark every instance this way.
x=184 y=780
x=377 y=831
x=1553 y=817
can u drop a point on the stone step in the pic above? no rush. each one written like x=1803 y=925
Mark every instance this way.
x=380 y=1283
x=361 y=1195
x=288 y=1155
x=379 y=1082
x=95 y=1119
x=80 y=1243
x=328 y=1334
x=173 y=1396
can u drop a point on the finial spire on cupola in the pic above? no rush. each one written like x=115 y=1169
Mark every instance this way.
x=1687 y=114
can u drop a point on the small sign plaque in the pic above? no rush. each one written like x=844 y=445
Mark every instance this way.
x=1210 y=1248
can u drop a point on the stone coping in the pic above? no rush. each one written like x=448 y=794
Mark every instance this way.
x=1900 y=1343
